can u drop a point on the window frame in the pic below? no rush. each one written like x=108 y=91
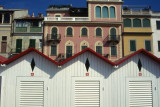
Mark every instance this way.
x=107 y=12
x=140 y=23
x=82 y=32
x=157 y=21
x=52 y=53
x=130 y=21
x=67 y=32
x=158 y=46
x=96 y=12
x=111 y=50
x=130 y=45
x=150 y=45
x=96 y=32
x=101 y=49
x=149 y=22
x=114 y=12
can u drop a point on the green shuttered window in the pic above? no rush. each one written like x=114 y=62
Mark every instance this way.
x=105 y=12
x=53 y=50
x=18 y=45
x=113 y=51
x=98 y=11
x=146 y=23
x=127 y=22
x=99 y=49
x=132 y=45
x=32 y=43
x=148 y=45
x=112 y=12
x=137 y=23
x=158 y=45
x=158 y=25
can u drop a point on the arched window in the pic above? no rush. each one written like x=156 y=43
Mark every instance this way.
x=99 y=47
x=105 y=12
x=98 y=32
x=98 y=11
x=54 y=33
x=69 y=49
x=112 y=12
x=113 y=34
x=83 y=45
x=146 y=23
x=137 y=23
x=127 y=22
x=84 y=32
x=6 y=18
x=69 y=31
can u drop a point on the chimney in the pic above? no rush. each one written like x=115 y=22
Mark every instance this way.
x=1 y=7
x=32 y=14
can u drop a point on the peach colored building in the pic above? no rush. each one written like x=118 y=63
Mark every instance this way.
x=69 y=30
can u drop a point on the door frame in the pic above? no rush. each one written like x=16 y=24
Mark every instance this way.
x=87 y=78
x=154 y=88
x=18 y=79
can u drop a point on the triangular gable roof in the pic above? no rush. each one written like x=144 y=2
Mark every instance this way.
x=85 y=50
x=2 y=59
x=143 y=51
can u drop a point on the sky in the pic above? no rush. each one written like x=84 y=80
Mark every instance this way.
x=40 y=6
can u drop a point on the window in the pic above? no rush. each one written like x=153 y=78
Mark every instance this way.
x=158 y=25
x=148 y=45
x=99 y=49
x=68 y=51
x=57 y=15
x=6 y=18
x=113 y=34
x=112 y=12
x=53 y=50
x=132 y=45
x=159 y=46
x=4 y=38
x=83 y=47
x=54 y=33
x=105 y=12
x=84 y=32
x=136 y=23
x=0 y=18
x=32 y=43
x=127 y=22
x=22 y=24
x=98 y=32
x=69 y=31
x=146 y=23
x=98 y=12
x=113 y=50
x=18 y=45
x=40 y=43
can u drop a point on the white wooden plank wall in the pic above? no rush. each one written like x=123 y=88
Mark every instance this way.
x=60 y=80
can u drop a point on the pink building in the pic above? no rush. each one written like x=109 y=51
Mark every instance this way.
x=69 y=30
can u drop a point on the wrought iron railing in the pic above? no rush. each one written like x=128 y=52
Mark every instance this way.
x=53 y=37
x=136 y=12
x=112 y=38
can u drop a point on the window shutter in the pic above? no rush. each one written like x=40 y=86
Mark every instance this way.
x=112 y=12
x=105 y=12
x=98 y=32
x=69 y=31
x=87 y=93
x=132 y=45
x=140 y=94
x=98 y=11
x=32 y=43
x=99 y=49
x=84 y=31
x=18 y=45
x=136 y=23
x=158 y=45
x=148 y=45
x=127 y=22
x=54 y=33
x=84 y=47
x=53 y=49
x=146 y=23
x=113 y=34
x=113 y=51
x=158 y=24
x=69 y=51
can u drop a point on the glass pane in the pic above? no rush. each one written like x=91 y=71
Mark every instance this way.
x=68 y=51
x=98 y=11
x=112 y=12
x=146 y=23
x=132 y=45
x=148 y=45
x=53 y=50
x=54 y=33
x=105 y=12
x=32 y=43
x=98 y=32
x=0 y=18
x=84 y=31
x=127 y=22
x=158 y=45
x=158 y=24
x=136 y=23
x=69 y=31
x=99 y=49
x=84 y=47
x=7 y=18
x=113 y=34
x=113 y=51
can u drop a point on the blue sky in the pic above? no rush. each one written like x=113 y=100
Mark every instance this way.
x=40 y=6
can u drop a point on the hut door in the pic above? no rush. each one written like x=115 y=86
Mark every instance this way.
x=31 y=92
x=140 y=93
x=87 y=92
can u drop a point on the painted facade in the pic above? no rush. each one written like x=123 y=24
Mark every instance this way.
x=156 y=32
x=65 y=84
x=64 y=17
x=137 y=30
x=6 y=23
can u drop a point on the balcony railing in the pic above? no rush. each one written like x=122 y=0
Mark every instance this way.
x=21 y=29
x=112 y=38
x=35 y=29
x=136 y=12
x=54 y=37
x=66 y=19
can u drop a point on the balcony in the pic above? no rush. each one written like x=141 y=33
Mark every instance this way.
x=136 y=12
x=66 y=19
x=21 y=29
x=110 y=39
x=35 y=29
x=53 y=37
x=28 y=30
